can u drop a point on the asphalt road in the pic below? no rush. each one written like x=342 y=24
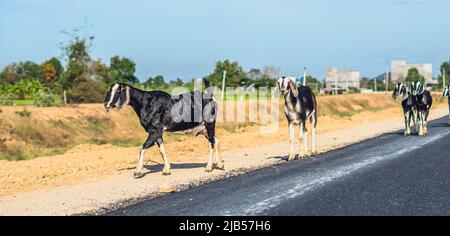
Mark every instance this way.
x=388 y=175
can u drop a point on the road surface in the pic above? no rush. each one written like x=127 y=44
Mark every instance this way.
x=388 y=175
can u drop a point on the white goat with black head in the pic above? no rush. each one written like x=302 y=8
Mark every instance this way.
x=446 y=93
x=423 y=101
x=300 y=105
x=407 y=104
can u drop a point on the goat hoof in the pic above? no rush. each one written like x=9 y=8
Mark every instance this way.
x=138 y=174
x=208 y=169
x=220 y=166
x=166 y=171
x=291 y=157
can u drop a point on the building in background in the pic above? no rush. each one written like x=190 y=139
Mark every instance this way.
x=343 y=79
x=399 y=71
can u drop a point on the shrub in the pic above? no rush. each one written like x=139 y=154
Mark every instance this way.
x=353 y=90
x=89 y=91
x=24 y=113
x=6 y=100
x=46 y=99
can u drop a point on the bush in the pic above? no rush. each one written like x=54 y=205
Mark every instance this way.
x=24 y=113
x=6 y=100
x=46 y=99
x=89 y=91
x=353 y=90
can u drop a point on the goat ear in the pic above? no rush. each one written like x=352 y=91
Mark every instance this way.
x=293 y=88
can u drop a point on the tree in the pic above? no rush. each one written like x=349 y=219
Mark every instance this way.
x=313 y=83
x=265 y=81
x=364 y=82
x=78 y=50
x=100 y=71
x=56 y=64
x=9 y=74
x=254 y=73
x=176 y=83
x=156 y=83
x=49 y=73
x=234 y=73
x=87 y=91
x=272 y=71
x=122 y=70
x=30 y=70
x=445 y=66
x=414 y=75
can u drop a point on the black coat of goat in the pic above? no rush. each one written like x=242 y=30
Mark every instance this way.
x=446 y=93
x=423 y=102
x=300 y=105
x=408 y=104
x=160 y=112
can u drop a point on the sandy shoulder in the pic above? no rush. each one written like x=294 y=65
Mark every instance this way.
x=120 y=188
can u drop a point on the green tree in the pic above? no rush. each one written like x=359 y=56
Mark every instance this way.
x=87 y=91
x=235 y=73
x=30 y=70
x=57 y=65
x=414 y=75
x=176 y=83
x=156 y=83
x=122 y=70
x=445 y=67
x=101 y=72
x=254 y=73
x=313 y=83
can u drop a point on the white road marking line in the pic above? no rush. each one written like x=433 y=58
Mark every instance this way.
x=304 y=184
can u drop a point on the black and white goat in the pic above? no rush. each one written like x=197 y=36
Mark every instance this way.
x=160 y=112
x=423 y=102
x=300 y=105
x=408 y=104
x=446 y=93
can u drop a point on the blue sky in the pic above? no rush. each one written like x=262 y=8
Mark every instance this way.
x=185 y=38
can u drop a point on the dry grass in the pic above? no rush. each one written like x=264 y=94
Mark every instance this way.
x=51 y=131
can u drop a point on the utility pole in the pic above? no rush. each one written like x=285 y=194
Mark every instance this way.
x=223 y=84
x=443 y=78
x=304 y=76
x=335 y=85
x=376 y=90
x=386 y=79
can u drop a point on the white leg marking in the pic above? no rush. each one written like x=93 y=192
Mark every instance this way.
x=302 y=136
x=313 y=140
x=305 y=142
x=162 y=151
x=291 y=142
x=220 y=164
x=209 y=166
x=139 y=169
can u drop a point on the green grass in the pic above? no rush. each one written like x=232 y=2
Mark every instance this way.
x=23 y=102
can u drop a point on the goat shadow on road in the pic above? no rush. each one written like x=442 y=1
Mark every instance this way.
x=440 y=125
x=159 y=167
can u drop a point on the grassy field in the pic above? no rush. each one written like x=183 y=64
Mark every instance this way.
x=29 y=132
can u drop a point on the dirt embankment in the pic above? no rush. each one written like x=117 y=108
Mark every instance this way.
x=79 y=130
